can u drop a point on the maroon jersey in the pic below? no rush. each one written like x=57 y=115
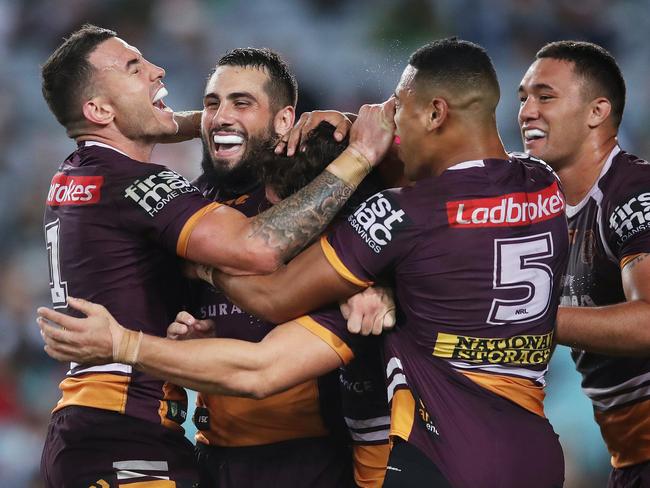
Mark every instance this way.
x=477 y=256
x=363 y=393
x=609 y=227
x=304 y=411
x=113 y=228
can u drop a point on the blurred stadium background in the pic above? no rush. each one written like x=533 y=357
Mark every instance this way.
x=344 y=54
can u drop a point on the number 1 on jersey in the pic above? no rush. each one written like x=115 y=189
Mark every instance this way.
x=58 y=288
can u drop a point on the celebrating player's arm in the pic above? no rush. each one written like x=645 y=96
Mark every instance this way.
x=245 y=369
x=289 y=355
x=238 y=245
x=620 y=329
x=221 y=366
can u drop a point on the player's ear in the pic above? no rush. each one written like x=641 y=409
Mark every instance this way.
x=436 y=113
x=284 y=119
x=599 y=111
x=98 y=111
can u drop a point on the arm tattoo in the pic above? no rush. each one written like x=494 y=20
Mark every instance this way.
x=294 y=222
x=637 y=260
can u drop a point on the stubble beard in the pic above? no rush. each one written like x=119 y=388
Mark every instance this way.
x=245 y=173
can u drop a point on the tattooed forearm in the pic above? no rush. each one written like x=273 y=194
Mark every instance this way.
x=293 y=223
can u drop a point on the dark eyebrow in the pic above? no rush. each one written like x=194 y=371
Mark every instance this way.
x=132 y=62
x=235 y=95
x=538 y=86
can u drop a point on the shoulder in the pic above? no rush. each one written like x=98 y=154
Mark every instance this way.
x=627 y=175
x=533 y=164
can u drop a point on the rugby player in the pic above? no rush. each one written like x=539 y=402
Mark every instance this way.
x=476 y=248
x=290 y=438
x=572 y=100
x=291 y=431
x=114 y=224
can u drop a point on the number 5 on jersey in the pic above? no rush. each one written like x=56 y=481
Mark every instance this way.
x=518 y=265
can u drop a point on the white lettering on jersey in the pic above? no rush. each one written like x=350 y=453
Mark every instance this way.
x=156 y=191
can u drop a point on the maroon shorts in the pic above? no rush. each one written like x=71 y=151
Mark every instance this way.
x=88 y=447
x=302 y=463
x=479 y=439
x=636 y=476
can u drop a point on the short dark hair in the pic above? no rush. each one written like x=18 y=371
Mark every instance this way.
x=286 y=175
x=282 y=87
x=596 y=65
x=67 y=72
x=456 y=64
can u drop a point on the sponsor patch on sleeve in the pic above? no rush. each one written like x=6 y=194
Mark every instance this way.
x=153 y=193
x=74 y=190
x=377 y=219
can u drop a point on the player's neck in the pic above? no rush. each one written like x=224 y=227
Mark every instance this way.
x=580 y=174
x=489 y=146
x=137 y=150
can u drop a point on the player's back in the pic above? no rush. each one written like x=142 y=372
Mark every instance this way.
x=480 y=284
x=112 y=227
x=477 y=256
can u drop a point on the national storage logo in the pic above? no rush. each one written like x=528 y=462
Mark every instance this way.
x=156 y=191
x=515 y=350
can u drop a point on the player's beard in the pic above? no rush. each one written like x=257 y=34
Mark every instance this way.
x=246 y=173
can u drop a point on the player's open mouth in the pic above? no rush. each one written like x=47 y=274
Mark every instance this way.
x=532 y=135
x=158 y=100
x=227 y=144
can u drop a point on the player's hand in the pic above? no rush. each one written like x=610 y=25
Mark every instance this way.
x=189 y=127
x=86 y=340
x=371 y=311
x=309 y=121
x=186 y=326
x=373 y=132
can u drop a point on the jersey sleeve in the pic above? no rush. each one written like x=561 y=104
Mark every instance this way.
x=627 y=219
x=362 y=385
x=163 y=205
x=330 y=326
x=370 y=242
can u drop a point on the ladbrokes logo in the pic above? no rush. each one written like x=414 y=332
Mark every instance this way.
x=507 y=210
x=156 y=191
x=376 y=219
x=74 y=190
x=632 y=217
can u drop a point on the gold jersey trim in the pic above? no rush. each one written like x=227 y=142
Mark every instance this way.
x=337 y=264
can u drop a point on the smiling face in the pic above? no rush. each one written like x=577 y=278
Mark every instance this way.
x=132 y=89
x=237 y=116
x=554 y=111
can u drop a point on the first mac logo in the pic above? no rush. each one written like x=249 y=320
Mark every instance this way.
x=74 y=190
x=156 y=191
